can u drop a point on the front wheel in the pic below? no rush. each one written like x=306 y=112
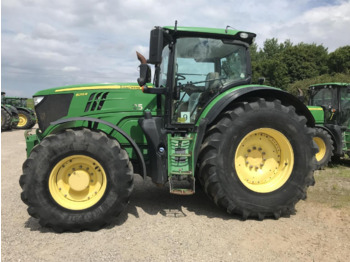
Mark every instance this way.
x=76 y=180
x=258 y=159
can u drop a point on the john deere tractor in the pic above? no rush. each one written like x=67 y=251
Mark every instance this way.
x=26 y=115
x=330 y=105
x=9 y=115
x=250 y=146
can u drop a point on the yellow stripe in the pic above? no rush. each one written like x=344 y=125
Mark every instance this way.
x=97 y=87
x=319 y=109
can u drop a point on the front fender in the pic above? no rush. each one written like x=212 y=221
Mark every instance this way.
x=92 y=122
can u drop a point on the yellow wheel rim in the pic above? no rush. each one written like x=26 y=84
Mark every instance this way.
x=77 y=182
x=321 y=148
x=22 y=120
x=264 y=160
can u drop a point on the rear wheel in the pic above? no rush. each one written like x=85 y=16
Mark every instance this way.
x=76 y=180
x=258 y=160
x=325 y=147
x=5 y=120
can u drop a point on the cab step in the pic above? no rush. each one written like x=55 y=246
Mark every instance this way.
x=180 y=165
x=182 y=184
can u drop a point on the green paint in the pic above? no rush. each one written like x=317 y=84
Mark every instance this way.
x=318 y=113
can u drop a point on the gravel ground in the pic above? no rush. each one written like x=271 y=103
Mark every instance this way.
x=158 y=226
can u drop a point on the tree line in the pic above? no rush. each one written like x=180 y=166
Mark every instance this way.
x=289 y=66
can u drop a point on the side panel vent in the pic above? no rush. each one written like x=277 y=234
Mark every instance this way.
x=96 y=101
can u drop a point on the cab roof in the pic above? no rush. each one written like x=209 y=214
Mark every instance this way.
x=213 y=32
x=329 y=84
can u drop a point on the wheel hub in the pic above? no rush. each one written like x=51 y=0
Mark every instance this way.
x=321 y=148
x=264 y=160
x=254 y=158
x=22 y=120
x=77 y=182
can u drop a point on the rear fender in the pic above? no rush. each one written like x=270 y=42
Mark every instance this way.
x=30 y=111
x=229 y=98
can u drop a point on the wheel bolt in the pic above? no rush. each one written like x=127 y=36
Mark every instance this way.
x=254 y=147
x=249 y=150
x=259 y=148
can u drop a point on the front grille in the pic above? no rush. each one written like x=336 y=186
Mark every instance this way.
x=52 y=108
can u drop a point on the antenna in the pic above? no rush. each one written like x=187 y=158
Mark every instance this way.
x=175 y=29
x=227 y=27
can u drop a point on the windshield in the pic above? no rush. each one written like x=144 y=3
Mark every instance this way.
x=204 y=66
x=326 y=97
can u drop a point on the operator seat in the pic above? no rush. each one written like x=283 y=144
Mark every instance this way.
x=198 y=99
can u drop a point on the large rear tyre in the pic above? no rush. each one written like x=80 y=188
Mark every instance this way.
x=76 y=180
x=325 y=147
x=5 y=120
x=25 y=120
x=258 y=160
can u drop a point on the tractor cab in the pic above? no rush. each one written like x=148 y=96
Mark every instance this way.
x=334 y=98
x=194 y=65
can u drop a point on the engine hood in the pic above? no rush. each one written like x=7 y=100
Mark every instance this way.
x=88 y=87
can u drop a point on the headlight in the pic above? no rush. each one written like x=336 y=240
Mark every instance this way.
x=37 y=100
x=243 y=35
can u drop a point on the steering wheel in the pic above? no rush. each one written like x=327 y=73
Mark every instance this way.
x=180 y=77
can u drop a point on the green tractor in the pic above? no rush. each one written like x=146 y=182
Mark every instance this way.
x=329 y=103
x=26 y=115
x=9 y=115
x=250 y=146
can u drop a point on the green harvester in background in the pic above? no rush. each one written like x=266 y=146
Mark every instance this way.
x=250 y=146
x=26 y=114
x=329 y=103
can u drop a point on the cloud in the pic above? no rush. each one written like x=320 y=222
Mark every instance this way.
x=327 y=25
x=55 y=43
x=70 y=69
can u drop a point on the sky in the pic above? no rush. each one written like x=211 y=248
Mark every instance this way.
x=52 y=43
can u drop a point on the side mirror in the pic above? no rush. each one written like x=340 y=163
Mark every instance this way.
x=261 y=80
x=156 y=46
x=145 y=75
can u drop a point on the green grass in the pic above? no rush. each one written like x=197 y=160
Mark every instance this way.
x=332 y=186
